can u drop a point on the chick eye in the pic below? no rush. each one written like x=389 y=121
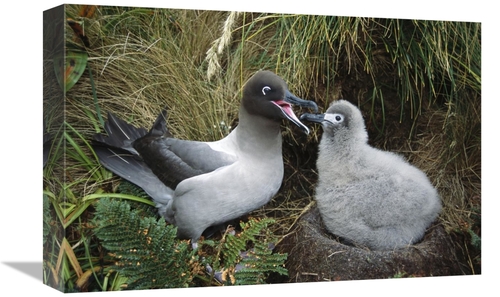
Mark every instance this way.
x=334 y=118
x=266 y=89
x=337 y=118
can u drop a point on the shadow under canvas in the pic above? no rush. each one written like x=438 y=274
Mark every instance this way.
x=33 y=269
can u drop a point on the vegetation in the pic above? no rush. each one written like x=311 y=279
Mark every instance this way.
x=417 y=82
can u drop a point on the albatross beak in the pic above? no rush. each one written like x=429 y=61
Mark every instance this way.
x=291 y=98
x=286 y=108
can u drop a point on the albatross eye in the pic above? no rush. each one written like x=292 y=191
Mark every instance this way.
x=266 y=89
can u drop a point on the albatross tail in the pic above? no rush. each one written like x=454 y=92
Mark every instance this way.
x=116 y=153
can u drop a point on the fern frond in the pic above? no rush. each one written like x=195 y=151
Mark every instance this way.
x=259 y=264
x=126 y=187
x=248 y=256
x=129 y=188
x=145 y=248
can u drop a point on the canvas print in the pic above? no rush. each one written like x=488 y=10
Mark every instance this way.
x=193 y=148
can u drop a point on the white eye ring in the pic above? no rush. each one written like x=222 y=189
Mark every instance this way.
x=266 y=89
x=334 y=118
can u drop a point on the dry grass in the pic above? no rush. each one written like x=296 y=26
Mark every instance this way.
x=136 y=78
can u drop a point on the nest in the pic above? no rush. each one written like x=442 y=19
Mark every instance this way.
x=315 y=255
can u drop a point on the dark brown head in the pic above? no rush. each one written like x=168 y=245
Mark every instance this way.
x=266 y=94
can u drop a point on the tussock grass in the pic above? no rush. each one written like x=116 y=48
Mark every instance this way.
x=418 y=84
x=136 y=77
x=453 y=165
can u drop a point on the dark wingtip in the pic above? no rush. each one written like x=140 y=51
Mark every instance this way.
x=120 y=134
x=159 y=127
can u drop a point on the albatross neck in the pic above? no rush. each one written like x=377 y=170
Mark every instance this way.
x=257 y=133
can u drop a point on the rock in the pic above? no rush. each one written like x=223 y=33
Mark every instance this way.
x=316 y=255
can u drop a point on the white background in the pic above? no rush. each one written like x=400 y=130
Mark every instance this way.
x=21 y=139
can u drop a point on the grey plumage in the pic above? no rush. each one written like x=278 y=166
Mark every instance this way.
x=366 y=195
x=197 y=185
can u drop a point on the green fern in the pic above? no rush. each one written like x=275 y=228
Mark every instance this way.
x=145 y=249
x=258 y=264
x=248 y=256
x=126 y=187
x=129 y=188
